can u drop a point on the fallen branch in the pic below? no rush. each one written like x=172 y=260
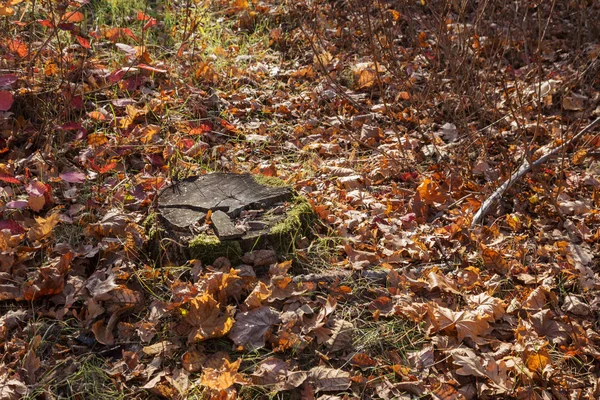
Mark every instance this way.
x=523 y=169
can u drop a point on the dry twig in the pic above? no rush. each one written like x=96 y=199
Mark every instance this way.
x=523 y=169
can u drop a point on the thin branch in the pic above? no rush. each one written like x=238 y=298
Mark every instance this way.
x=523 y=169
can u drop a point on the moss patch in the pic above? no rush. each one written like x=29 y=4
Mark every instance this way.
x=151 y=225
x=269 y=181
x=298 y=219
x=207 y=248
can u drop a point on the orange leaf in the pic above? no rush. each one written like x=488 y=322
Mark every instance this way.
x=206 y=316
x=494 y=260
x=17 y=47
x=83 y=42
x=537 y=360
x=73 y=17
x=223 y=377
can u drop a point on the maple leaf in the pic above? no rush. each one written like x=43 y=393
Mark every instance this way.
x=259 y=294
x=250 y=327
x=43 y=227
x=493 y=259
x=431 y=193
x=223 y=377
x=206 y=316
x=487 y=307
x=465 y=323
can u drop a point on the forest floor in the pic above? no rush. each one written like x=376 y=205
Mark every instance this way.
x=396 y=120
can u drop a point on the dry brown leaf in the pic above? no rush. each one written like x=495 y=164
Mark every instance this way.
x=342 y=336
x=536 y=360
x=164 y=349
x=465 y=323
x=275 y=373
x=494 y=259
x=11 y=388
x=49 y=279
x=193 y=360
x=431 y=193
x=325 y=379
x=250 y=327
x=487 y=307
x=102 y=334
x=256 y=298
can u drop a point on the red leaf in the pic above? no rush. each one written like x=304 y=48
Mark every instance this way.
x=152 y=22
x=46 y=23
x=6 y=100
x=84 y=42
x=12 y=226
x=77 y=102
x=142 y=17
x=9 y=179
x=103 y=169
x=116 y=76
x=128 y=32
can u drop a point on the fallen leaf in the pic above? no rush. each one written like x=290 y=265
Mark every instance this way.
x=43 y=227
x=223 y=377
x=206 y=316
x=250 y=327
x=275 y=373
x=325 y=379
x=6 y=100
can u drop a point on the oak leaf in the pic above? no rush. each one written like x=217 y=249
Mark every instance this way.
x=466 y=324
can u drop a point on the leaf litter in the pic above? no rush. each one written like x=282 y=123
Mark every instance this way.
x=396 y=127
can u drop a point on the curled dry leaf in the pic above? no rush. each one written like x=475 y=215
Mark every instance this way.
x=259 y=294
x=49 y=279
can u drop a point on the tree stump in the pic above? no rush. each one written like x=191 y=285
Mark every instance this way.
x=224 y=214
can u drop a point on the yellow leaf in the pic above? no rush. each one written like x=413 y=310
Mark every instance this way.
x=43 y=227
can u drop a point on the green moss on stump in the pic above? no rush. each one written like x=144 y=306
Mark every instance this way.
x=270 y=181
x=208 y=248
x=151 y=225
x=298 y=219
